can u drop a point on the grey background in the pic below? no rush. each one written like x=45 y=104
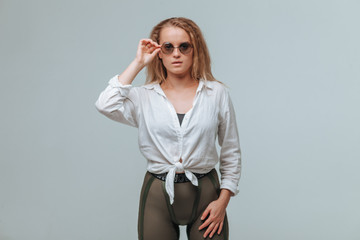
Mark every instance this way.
x=69 y=173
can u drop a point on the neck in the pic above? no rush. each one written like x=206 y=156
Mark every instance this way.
x=179 y=82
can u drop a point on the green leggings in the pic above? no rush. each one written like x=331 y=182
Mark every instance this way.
x=158 y=220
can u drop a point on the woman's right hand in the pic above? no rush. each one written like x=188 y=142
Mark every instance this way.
x=147 y=50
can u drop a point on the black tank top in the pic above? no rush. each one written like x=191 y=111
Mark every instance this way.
x=181 y=117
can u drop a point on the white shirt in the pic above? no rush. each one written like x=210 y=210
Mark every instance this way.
x=163 y=141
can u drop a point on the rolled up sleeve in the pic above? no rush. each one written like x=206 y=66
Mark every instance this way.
x=119 y=102
x=230 y=153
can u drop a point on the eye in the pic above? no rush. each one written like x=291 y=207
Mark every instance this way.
x=185 y=45
x=168 y=46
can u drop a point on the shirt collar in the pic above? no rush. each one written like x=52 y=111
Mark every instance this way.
x=205 y=83
x=202 y=84
x=156 y=87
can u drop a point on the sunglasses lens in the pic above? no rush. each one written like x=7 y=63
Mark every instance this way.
x=185 y=48
x=167 y=48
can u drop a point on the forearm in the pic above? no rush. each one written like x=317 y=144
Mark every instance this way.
x=128 y=76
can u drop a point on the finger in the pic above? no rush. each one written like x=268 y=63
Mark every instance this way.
x=208 y=230
x=205 y=213
x=153 y=48
x=205 y=224
x=142 y=46
x=155 y=52
x=149 y=46
x=149 y=42
x=214 y=230
x=145 y=43
x=155 y=43
x=220 y=228
x=146 y=40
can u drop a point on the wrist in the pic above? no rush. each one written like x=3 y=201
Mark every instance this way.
x=225 y=196
x=138 y=65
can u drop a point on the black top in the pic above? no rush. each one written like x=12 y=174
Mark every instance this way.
x=181 y=117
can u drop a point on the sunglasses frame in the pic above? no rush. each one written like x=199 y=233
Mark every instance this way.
x=173 y=48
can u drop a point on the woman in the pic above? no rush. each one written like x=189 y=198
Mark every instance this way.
x=179 y=112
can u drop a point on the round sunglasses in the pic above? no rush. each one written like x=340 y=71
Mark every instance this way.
x=168 y=48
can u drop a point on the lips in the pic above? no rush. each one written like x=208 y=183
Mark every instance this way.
x=176 y=62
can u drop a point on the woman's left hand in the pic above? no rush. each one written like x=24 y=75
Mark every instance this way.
x=216 y=211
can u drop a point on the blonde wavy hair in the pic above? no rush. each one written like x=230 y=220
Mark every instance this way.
x=201 y=68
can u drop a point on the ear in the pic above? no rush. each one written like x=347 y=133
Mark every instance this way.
x=160 y=55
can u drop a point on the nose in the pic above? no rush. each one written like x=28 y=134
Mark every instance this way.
x=176 y=52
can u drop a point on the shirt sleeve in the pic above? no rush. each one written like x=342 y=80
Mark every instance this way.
x=119 y=102
x=230 y=153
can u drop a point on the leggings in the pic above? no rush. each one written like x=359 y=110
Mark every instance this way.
x=158 y=220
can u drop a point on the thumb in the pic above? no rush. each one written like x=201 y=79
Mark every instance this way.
x=155 y=52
